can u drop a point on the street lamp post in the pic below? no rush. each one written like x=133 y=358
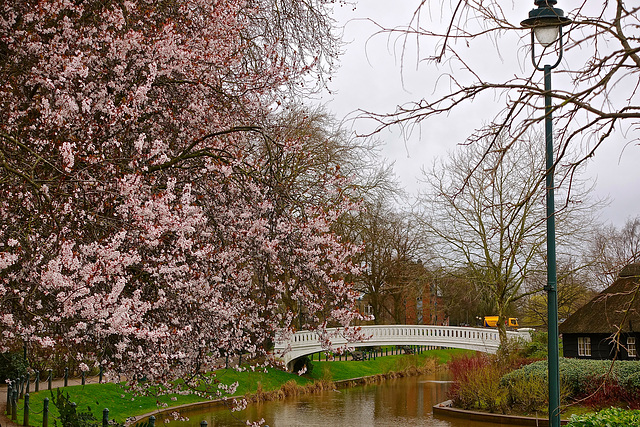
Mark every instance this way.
x=546 y=24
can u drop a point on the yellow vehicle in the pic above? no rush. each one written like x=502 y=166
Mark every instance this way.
x=492 y=322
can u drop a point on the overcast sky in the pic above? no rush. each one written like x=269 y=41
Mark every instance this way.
x=373 y=77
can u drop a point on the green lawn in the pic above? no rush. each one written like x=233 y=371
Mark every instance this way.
x=337 y=371
x=122 y=403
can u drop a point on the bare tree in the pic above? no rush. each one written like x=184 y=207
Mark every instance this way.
x=611 y=249
x=598 y=97
x=484 y=209
x=328 y=150
x=464 y=300
x=574 y=290
x=391 y=247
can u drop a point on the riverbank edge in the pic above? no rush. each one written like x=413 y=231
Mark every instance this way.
x=290 y=390
x=446 y=409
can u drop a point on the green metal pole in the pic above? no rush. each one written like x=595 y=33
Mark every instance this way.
x=551 y=288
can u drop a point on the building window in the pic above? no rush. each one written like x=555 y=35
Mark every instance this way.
x=631 y=346
x=584 y=346
x=368 y=310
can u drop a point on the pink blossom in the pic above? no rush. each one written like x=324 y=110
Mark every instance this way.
x=67 y=156
x=143 y=218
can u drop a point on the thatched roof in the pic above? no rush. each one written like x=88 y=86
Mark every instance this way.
x=618 y=303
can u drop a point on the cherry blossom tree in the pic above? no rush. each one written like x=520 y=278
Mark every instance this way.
x=142 y=225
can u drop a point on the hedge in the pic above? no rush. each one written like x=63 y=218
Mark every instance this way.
x=579 y=374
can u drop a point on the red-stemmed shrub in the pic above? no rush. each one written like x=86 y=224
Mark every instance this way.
x=606 y=392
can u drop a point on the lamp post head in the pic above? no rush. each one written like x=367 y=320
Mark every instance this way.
x=545 y=21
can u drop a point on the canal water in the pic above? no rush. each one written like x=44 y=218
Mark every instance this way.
x=398 y=402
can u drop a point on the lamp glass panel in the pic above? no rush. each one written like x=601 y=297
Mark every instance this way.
x=546 y=36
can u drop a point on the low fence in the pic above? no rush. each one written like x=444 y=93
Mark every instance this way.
x=19 y=388
x=369 y=354
x=18 y=391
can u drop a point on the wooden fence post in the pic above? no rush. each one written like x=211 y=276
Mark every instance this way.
x=14 y=406
x=25 y=420
x=9 y=393
x=45 y=412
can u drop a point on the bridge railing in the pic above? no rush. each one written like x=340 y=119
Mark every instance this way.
x=479 y=339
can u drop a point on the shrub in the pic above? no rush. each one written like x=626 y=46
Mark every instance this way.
x=528 y=387
x=12 y=366
x=513 y=348
x=529 y=394
x=485 y=385
x=537 y=348
x=606 y=392
x=69 y=414
x=612 y=417
x=595 y=382
x=477 y=383
x=460 y=367
x=632 y=382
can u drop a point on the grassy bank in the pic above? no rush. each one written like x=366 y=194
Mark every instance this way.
x=261 y=385
x=338 y=371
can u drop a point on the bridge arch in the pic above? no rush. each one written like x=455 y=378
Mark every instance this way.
x=479 y=339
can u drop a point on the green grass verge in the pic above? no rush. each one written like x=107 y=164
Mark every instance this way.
x=337 y=371
x=122 y=403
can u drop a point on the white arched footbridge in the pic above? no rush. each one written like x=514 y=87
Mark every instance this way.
x=480 y=339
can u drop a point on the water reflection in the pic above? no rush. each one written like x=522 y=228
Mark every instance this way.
x=399 y=402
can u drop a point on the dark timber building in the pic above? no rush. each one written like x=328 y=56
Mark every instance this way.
x=589 y=333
